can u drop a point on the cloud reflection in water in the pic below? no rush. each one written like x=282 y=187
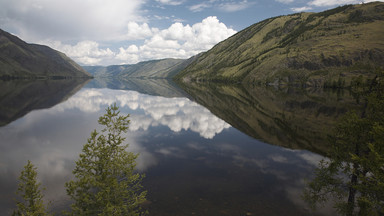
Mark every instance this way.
x=176 y=113
x=178 y=140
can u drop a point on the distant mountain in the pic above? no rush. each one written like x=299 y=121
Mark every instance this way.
x=163 y=68
x=19 y=59
x=332 y=47
x=155 y=68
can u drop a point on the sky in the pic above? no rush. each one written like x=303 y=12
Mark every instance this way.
x=114 y=32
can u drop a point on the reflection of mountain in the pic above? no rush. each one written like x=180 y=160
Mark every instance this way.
x=156 y=87
x=18 y=98
x=296 y=119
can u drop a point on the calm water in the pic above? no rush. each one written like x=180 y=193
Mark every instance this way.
x=195 y=162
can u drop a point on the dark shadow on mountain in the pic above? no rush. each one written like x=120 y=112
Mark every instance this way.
x=291 y=118
x=19 y=97
x=150 y=86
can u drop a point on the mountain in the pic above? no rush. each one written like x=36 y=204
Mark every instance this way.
x=19 y=59
x=333 y=47
x=163 y=68
x=153 y=69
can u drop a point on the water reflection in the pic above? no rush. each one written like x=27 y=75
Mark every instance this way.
x=17 y=98
x=155 y=87
x=195 y=162
x=176 y=113
x=291 y=118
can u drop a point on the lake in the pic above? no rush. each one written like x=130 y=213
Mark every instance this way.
x=205 y=149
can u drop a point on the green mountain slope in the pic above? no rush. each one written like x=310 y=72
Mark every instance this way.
x=306 y=49
x=152 y=69
x=19 y=59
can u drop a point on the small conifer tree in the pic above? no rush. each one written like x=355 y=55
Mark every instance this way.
x=29 y=190
x=354 y=174
x=106 y=182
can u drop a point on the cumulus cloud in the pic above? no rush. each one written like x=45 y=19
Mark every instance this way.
x=136 y=31
x=129 y=55
x=107 y=32
x=170 y=2
x=235 y=6
x=301 y=9
x=84 y=52
x=177 y=114
x=183 y=41
x=285 y=1
x=176 y=41
x=324 y=3
x=200 y=7
x=69 y=19
x=231 y=6
x=327 y=3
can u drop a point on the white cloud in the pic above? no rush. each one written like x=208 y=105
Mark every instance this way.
x=367 y=1
x=177 y=41
x=170 y=2
x=328 y=3
x=301 y=9
x=325 y=3
x=210 y=31
x=84 y=52
x=84 y=30
x=136 y=31
x=200 y=7
x=231 y=6
x=178 y=31
x=235 y=6
x=158 y=41
x=131 y=54
x=285 y=1
x=66 y=20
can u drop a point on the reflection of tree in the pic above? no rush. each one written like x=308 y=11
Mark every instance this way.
x=354 y=176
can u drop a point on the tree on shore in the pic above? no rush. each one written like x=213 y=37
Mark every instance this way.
x=106 y=182
x=29 y=190
x=354 y=174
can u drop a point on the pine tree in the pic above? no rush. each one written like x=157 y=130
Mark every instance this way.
x=106 y=182
x=354 y=174
x=30 y=192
